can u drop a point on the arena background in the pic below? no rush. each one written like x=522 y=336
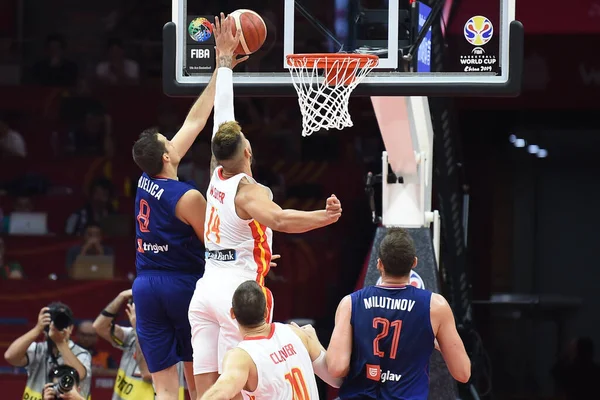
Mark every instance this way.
x=532 y=227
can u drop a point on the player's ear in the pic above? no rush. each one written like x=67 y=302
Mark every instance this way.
x=266 y=314
x=231 y=313
x=166 y=158
x=415 y=263
x=379 y=265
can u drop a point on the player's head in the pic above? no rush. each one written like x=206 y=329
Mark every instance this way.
x=397 y=254
x=231 y=148
x=153 y=151
x=249 y=305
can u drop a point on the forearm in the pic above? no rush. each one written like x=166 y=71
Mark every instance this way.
x=18 y=349
x=224 y=97
x=294 y=221
x=321 y=370
x=221 y=391
x=200 y=111
x=71 y=360
x=103 y=323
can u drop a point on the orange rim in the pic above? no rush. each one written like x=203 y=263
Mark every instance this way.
x=325 y=60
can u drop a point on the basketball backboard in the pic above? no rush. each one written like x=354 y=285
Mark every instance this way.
x=480 y=43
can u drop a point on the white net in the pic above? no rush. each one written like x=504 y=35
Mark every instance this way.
x=324 y=86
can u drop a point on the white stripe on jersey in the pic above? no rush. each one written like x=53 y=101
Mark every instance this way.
x=231 y=242
x=284 y=367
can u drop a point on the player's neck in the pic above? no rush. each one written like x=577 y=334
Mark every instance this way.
x=258 y=331
x=393 y=281
x=168 y=172
x=228 y=173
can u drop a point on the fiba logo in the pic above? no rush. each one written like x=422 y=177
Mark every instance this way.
x=200 y=29
x=200 y=53
x=478 y=51
x=478 y=30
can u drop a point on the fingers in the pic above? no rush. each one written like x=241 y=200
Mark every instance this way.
x=217 y=29
x=294 y=324
x=275 y=257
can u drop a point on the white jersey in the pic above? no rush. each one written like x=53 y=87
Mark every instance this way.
x=284 y=367
x=232 y=242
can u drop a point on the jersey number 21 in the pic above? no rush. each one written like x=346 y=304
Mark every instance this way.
x=386 y=325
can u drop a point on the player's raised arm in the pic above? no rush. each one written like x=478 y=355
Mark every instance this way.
x=196 y=119
x=451 y=345
x=317 y=354
x=226 y=43
x=340 y=345
x=236 y=368
x=254 y=201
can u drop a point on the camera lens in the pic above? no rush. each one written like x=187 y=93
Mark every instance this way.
x=65 y=384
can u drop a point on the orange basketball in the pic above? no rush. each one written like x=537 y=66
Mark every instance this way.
x=254 y=31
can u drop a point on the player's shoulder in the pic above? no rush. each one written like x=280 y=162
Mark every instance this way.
x=438 y=303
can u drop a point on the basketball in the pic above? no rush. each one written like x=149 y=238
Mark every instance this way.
x=254 y=31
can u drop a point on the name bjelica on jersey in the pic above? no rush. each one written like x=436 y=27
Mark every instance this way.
x=152 y=188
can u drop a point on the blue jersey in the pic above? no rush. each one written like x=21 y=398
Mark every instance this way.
x=164 y=243
x=392 y=341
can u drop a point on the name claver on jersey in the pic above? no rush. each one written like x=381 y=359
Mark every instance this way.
x=283 y=354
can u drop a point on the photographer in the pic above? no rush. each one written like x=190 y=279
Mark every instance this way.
x=40 y=358
x=133 y=379
x=64 y=383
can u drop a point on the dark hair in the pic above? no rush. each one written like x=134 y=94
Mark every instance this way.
x=148 y=152
x=62 y=307
x=114 y=42
x=397 y=252
x=59 y=371
x=56 y=37
x=227 y=141
x=249 y=304
x=102 y=183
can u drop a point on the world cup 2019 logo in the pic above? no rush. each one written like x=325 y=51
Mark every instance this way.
x=478 y=30
x=200 y=29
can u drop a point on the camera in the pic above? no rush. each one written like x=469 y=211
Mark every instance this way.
x=60 y=315
x=64 y=385
x=64 y=379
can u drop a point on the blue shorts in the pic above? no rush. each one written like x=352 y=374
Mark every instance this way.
x=161 y=302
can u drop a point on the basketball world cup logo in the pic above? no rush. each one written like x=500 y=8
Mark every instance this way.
x=200 y=29
x=478 y=30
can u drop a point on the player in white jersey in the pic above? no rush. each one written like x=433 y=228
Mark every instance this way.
x=274 y=361
x=239 y=217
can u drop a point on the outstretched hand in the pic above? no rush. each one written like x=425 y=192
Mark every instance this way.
x=226 y=42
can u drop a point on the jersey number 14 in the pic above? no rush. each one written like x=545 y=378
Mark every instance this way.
x=213 y=227
x=386 y=325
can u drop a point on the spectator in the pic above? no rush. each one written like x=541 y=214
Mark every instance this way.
x=12 y=143
x=93 y=136
x=55 y=69
x=576 y=374
x=118 y=69
x=54 y=377
x=77 y=104
x=133 y=366
x=197 y=166
x=97 y=208
x=102 y=361
x=57 y=349
x=91 y=246
x=10 y=270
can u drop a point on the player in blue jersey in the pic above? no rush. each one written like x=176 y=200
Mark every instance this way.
x=170 y=253
x=384 y=335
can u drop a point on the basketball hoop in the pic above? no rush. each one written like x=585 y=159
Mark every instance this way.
x=324 y=97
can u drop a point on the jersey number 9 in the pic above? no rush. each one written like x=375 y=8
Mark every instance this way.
x=386 y=324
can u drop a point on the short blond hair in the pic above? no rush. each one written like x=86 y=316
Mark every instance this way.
x=227 y=142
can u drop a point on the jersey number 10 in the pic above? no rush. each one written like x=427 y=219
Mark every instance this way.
x=296 y=379
x=386 y=324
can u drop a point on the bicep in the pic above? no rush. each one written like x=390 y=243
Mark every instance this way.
x=340 y=345
x=255 y=202
x=191 y=209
